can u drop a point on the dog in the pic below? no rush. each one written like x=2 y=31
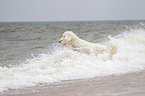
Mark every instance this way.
x=69 y=38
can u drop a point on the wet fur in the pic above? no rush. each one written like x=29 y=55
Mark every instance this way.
x=69 y=38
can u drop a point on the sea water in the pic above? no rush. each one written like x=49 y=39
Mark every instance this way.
x=31 y=55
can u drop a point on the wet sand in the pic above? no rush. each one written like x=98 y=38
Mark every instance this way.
x=132 y=84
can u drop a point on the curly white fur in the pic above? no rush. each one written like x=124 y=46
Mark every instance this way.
x=69 y=38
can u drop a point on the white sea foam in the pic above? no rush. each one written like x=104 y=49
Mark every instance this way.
x=66 y=64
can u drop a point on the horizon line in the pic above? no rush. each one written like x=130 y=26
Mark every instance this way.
x=73 y=20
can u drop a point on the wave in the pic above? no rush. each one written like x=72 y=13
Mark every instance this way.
x=62 y=63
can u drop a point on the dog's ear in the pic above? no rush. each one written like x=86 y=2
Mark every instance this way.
x=68 y=37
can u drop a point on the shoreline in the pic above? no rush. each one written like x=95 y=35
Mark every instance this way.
x=131 y=84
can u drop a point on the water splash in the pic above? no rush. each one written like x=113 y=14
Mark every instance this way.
x=62 y=63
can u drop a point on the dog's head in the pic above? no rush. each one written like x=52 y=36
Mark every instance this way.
x=66 y=38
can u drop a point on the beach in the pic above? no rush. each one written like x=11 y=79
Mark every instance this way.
x=123 y=85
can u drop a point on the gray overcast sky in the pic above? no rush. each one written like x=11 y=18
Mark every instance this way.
x=71 y=10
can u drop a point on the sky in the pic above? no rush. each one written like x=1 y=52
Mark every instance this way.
x=71 y=10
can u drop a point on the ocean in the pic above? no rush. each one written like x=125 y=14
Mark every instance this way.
x=33 y=63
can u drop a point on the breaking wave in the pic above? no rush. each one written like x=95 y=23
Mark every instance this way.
x=65 y=64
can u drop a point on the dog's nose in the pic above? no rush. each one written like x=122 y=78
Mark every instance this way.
x=59 y=41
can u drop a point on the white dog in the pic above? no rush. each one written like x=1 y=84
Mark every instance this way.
x=69 y=38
